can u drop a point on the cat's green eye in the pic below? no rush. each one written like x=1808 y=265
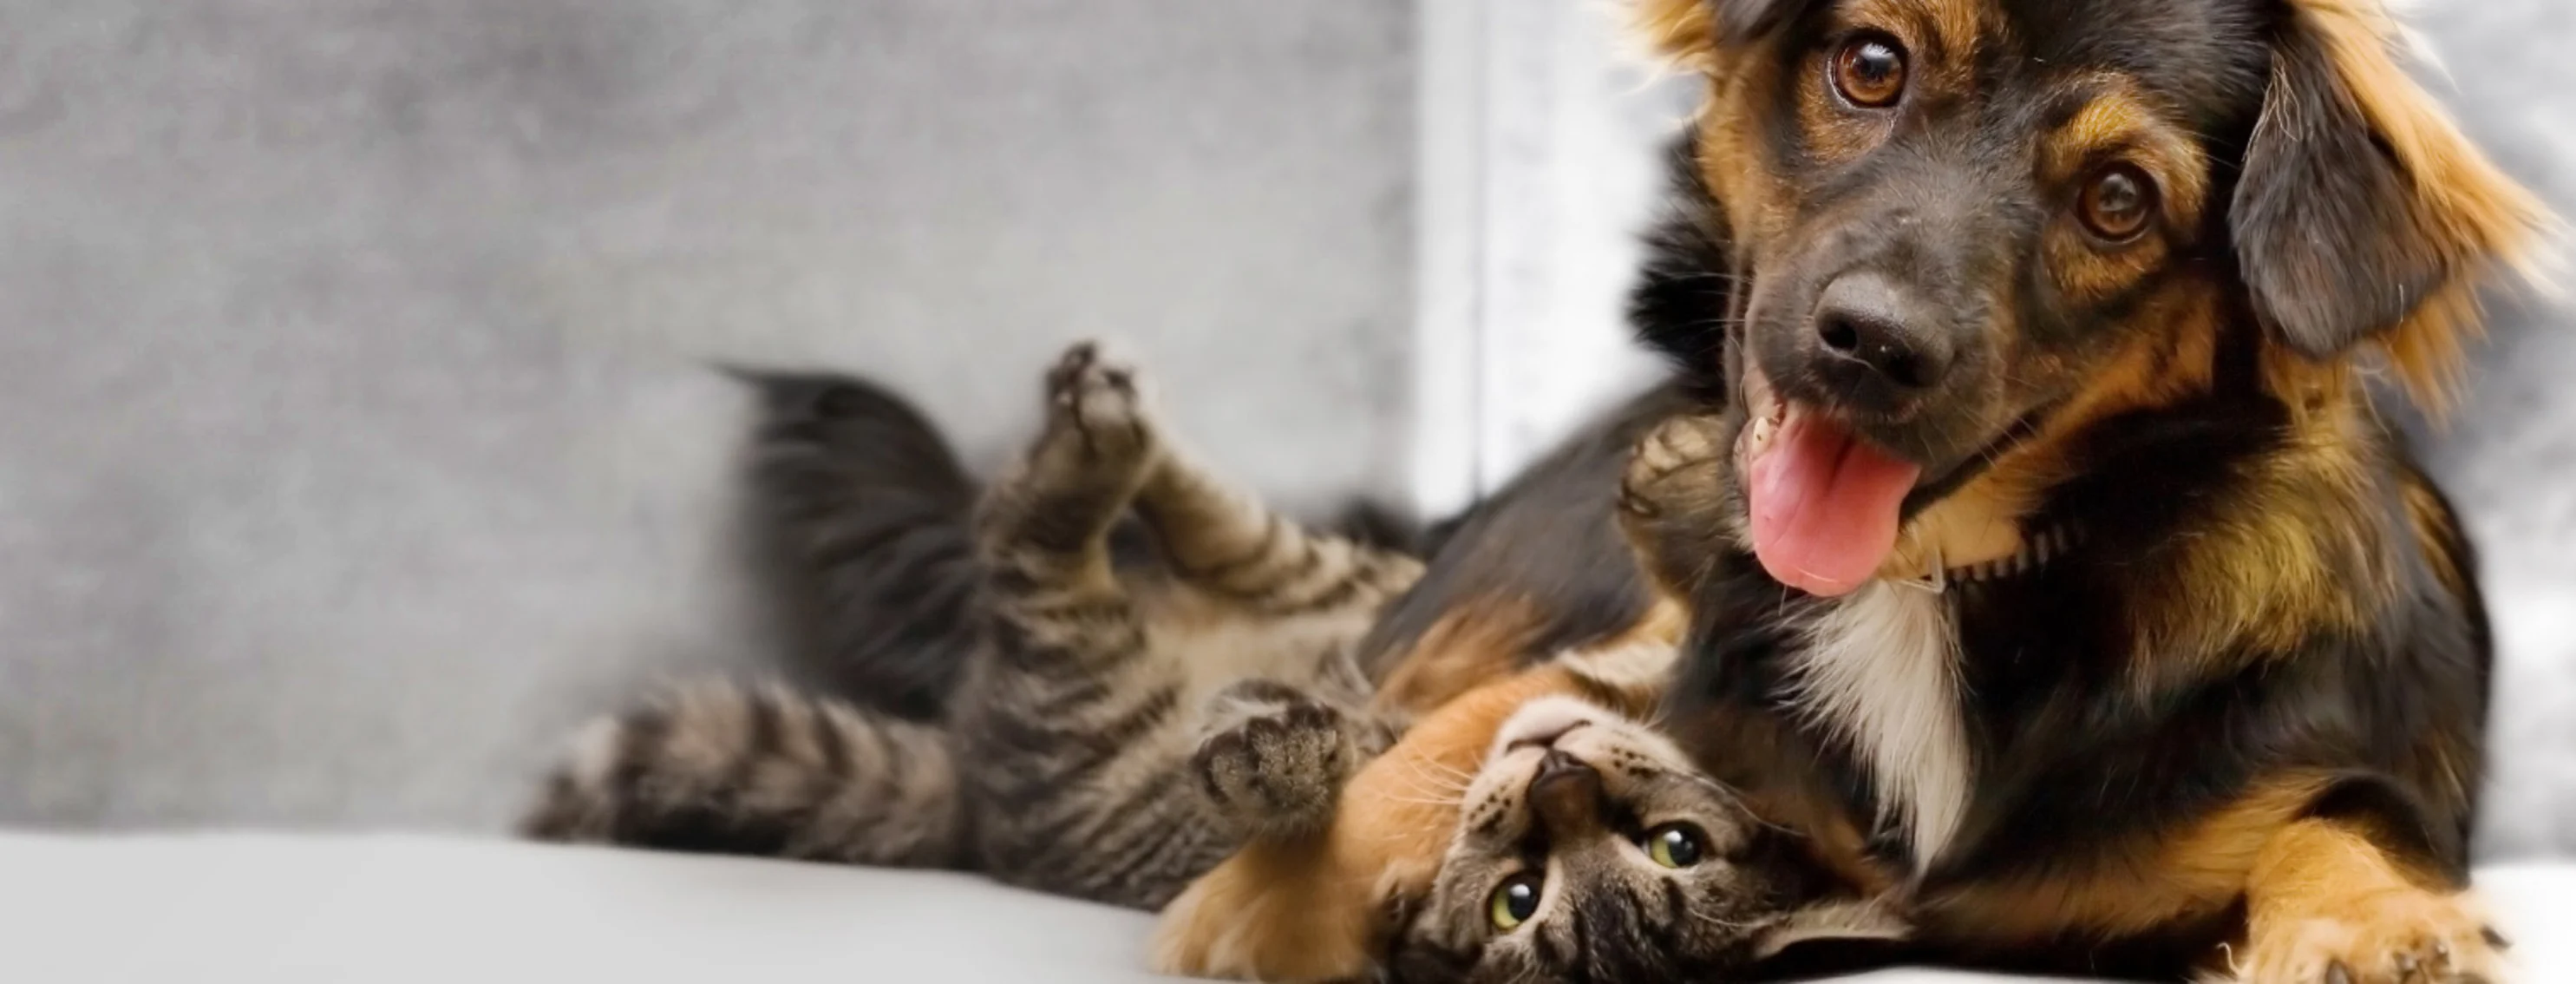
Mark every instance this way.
x=1515 y=900
x=1676 y=845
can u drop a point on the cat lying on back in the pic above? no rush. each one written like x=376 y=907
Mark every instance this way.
x=1128 y=731
x=1564 y=838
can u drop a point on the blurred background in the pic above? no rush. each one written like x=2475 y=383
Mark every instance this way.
x=357 y=430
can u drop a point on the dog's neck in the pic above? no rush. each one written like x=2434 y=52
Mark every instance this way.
x=1983 y=533
x=2033 y=548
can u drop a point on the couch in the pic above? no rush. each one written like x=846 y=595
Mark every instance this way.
x=281 y=909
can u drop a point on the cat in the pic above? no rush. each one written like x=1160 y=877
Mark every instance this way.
x=1131 y=727
x=1071 y=758
x=1539 y=827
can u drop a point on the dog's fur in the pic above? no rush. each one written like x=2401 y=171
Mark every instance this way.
x=2226 y=717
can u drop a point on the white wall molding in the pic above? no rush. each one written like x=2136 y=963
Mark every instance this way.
x=1538 y=167
x=1448 y=272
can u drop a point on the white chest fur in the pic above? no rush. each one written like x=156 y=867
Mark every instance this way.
x=1881 y=670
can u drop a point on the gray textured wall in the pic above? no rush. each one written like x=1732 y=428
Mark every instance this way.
x=353 y=435
x=2509 y=455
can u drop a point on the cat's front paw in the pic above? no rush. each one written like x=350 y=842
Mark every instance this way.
x=1094 y=412
x=1676 y=467
x=1674 y=485
x=1273 y=759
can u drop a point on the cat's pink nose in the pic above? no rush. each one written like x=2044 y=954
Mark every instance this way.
x=1566 y=794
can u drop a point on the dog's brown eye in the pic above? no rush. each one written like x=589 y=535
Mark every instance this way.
x=1870 y=71
x=2118 y=203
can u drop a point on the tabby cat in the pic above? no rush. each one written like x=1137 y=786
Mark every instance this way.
x=1071 y=759
x=1538 y=827
x=1126 y=724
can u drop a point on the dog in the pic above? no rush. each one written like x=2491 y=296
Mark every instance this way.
x=2051 y=559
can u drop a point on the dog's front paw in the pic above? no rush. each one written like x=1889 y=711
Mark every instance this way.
x=1274 y=758
x=2403 y=936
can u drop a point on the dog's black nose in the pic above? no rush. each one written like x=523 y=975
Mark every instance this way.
x=1876 y=343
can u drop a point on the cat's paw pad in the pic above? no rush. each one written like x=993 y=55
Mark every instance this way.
x=1673 y=496
x=1094 y=401
x=2399 y=937
x=1274 y=760
x=1676 y=467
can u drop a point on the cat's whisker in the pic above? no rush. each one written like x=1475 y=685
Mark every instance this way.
x=1439 y=801
x=1424 y=780
x=1432 y=797
x=1442 y=767
x=1438 y=768
x=1420 y=781
x=1733 y=798
x=1731 y=925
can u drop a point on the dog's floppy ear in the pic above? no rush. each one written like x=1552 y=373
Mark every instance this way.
x=2362 y=213
x=1688 y=33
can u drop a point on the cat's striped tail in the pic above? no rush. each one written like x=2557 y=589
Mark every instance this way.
x=718 y=768
x=863 y=515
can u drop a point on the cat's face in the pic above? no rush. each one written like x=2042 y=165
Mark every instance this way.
x=1588 y=848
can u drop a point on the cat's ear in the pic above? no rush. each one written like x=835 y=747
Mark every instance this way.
x=1405 y=952
x=1846 y=919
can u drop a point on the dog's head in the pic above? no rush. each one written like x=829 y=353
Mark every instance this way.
x=1959 y=231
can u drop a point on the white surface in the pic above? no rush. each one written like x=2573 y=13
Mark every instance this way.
x=291 y=910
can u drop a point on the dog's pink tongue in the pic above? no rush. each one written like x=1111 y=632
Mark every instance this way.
x=1824 y=506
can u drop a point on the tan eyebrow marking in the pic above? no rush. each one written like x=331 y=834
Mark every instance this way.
x=1950 y=29
x=2118 y=120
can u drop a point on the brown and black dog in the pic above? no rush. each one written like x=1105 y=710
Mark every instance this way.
x=2055 y=565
